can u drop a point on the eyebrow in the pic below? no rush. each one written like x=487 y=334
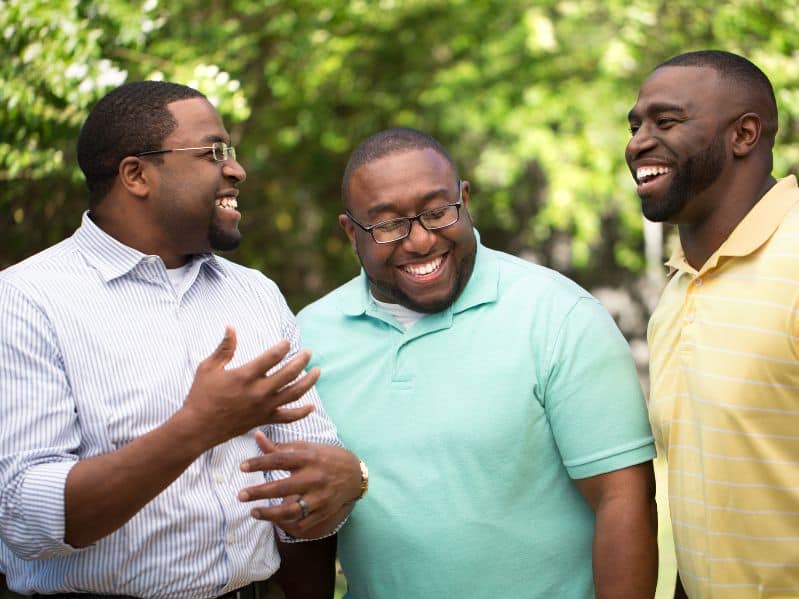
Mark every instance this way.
x=391 y=206
x=655 y=108
x=214 y=138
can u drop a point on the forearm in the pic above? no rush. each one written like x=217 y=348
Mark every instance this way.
x=625 y=556
x=104 y=492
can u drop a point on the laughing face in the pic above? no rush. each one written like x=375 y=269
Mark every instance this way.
x=427 y=270
x=678 y=150
x=196 y=206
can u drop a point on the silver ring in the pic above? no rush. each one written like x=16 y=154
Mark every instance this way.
x=303 y=507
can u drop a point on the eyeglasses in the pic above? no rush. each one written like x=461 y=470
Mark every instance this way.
x=220 y=151
x=388 y=231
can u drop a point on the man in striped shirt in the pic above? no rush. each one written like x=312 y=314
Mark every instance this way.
x=128 y=429
x=723 y=339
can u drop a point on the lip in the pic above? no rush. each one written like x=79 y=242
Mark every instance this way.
x=425 y=278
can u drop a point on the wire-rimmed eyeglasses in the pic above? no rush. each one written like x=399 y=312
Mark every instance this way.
x=395 y=229
x=219 y=150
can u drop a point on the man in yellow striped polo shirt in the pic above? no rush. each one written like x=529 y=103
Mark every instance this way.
x=724 y=401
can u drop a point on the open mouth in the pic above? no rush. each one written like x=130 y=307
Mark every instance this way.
x=227 y=202
x=423 y=271
x=648 y=177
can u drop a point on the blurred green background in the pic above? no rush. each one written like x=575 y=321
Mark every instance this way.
x=530 y=97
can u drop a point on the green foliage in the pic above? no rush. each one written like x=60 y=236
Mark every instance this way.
x=531 y=98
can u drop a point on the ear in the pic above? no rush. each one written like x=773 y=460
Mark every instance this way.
x=134 y=176
x=747 y=128
x=346 y=224
x=465 y=189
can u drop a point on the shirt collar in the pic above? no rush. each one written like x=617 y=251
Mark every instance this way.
x=482 y=287
x=752 y=232
x=112 y=258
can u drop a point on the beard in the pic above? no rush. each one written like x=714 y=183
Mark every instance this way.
x=464 y=272
x=698 y=172
x=223 y=239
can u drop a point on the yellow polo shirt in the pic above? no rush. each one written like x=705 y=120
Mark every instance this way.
x=724 y=406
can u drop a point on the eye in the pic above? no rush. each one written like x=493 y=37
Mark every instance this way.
x=391 y=226
x=634 y=128
x=664 y=122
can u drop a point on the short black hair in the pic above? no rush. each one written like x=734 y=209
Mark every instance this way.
x=130 y=119
x=744 y=73
x=390 y=141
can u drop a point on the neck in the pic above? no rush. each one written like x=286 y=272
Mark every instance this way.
x=701 y=239
x=127 y=226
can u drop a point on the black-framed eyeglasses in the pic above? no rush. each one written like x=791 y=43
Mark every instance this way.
x=219 y=150
x=395 y=229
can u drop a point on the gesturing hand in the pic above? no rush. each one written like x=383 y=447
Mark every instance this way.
x=325 y=477
x=230 y=402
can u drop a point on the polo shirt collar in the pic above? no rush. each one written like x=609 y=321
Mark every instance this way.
x=114 y=259
x=752 y=232
x=356 y=299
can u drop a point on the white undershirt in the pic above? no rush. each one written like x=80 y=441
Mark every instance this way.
x=178 y=275
x=405 y=316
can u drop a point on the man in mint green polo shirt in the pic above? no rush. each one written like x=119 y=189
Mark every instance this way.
x=494 y=400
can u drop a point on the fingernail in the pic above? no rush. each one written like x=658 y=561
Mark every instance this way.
x=245 y=466
x=244 y=496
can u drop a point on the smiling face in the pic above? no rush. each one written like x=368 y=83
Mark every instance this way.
x=195 y=198
x=427 y=270
x=679 y=148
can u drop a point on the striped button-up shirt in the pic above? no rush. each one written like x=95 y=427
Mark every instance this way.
x=96 y=349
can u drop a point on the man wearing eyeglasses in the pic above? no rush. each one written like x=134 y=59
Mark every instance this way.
x=495 y=402
x=144 y=380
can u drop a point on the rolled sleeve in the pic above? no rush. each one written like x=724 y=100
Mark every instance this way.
x=39 y=431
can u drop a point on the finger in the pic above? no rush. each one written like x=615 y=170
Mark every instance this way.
x=272 y=490
x=264 y=443
x=267 y=360
x=289 y=460
x=287 y=373
x=286 y=415
x=292 y=391
x=224 y=351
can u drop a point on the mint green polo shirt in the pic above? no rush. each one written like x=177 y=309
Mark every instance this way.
x=473 y=423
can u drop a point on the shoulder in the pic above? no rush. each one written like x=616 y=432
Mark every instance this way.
x=337 y=303
x=248 y=278
x=43 y=269
x=527 y=282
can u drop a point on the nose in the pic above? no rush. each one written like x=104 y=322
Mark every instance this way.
x=419 y=240
x=232 y=169
x=642 y=141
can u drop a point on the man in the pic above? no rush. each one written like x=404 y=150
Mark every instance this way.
x=122 y=454
x=495 y=402
x=723 y=338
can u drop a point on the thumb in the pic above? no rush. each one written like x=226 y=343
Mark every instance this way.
x=264 y=443
x=226 y=348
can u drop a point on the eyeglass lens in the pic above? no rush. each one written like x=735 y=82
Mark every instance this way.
x=398 y=228
x=222 y=151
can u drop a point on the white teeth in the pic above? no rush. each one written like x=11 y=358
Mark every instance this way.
x=227 y=202
x=644 y=173
x=424 y=269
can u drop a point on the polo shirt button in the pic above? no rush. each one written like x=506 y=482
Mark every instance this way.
x=690 y=317
x=698 y=282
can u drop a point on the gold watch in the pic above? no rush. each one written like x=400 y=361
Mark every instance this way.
x=364 y=479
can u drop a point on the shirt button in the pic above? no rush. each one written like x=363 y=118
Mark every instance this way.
x=231 y=538
x=219 y=477
x=690 y=317
x=698 y=282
